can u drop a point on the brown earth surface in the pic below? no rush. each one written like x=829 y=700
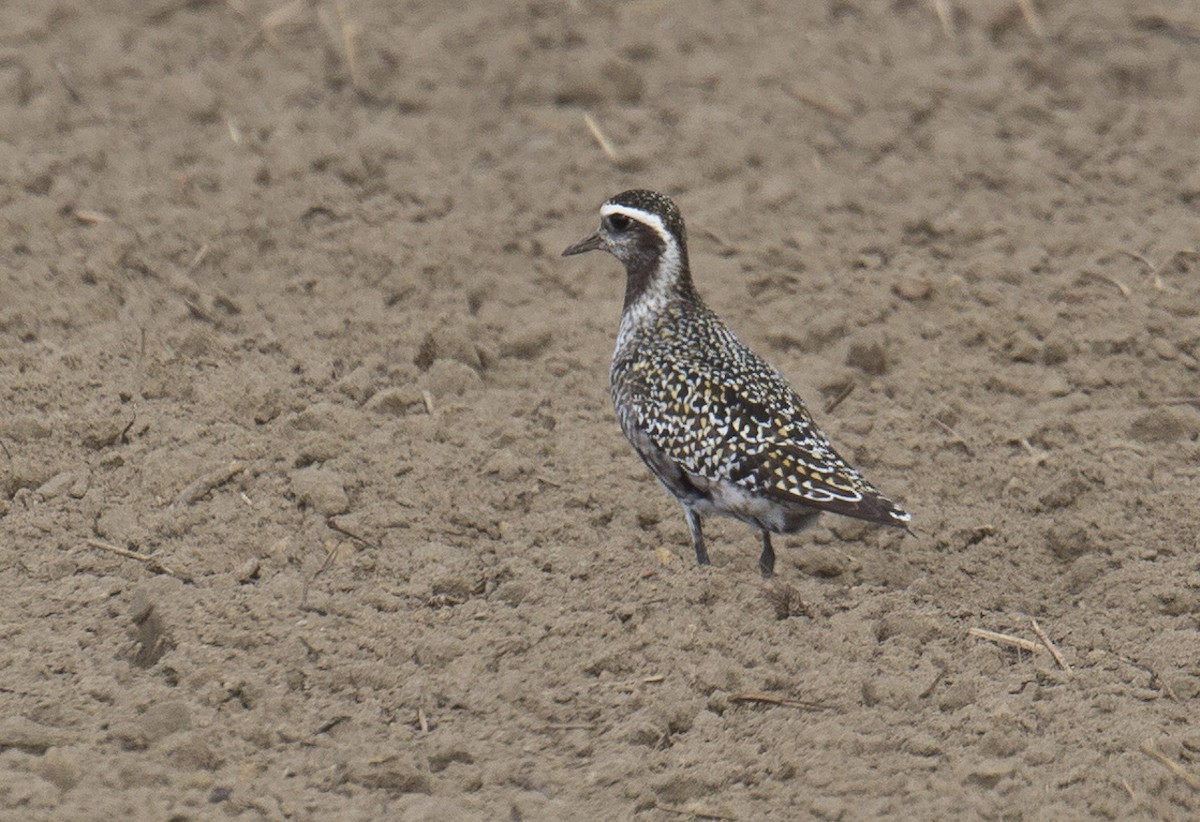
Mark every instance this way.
x=282 y=316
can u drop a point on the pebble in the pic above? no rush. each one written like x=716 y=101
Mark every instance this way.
x=1068 y=542
x=1158 y=426
x=56 y=485
x=422 y=808
x=1057 y=350
x=320 y=489
x=358 y=384
x=1064 y=493
x=189 y=751
x=586 y=84
x=823 y=563
x=1023 y=347
x=1164 y=348
x=449 y=342
x=870 y=357
x=991 y=771
x=447 y=378
x=165 y=718
x=27 y=735
x=249 y=570
x=922 y=744
x=61 y=767
x=913 y=287
x=827 y=807
x=777 y=191
x=399 y=773
x=956 y=696
x=406 y=399
x=526 y=343
x=23 y=429
x=513 y=592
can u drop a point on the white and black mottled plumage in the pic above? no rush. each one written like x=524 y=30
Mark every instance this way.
x=718 y=426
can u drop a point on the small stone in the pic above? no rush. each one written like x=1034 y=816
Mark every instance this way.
x=193 y=93
x=451 y=341
x=442 y=758
x=923 y=745
x=624 y=80
x=23 y=429
x=1054 y=384
x=1164 y=348
x=851 y=530
x=1161 y=425
x=956 y=696
x=398 y=773
x=62 y=767
x=647 y=516
x=1068 y=542
x=165 y=718
x=1083 y=572
x=1125 y=169
x=1064 y=493
x=1001 y=743
x=526 y=343
x=918 y=626
x=1056 y=350
x=56 y=485
x=320 y=489
x=80 y=486
x=249 y=570
x=513 y=592
x=823 y=563
x=586 y=84
x=447 y=378
x=777 y=191
x=989 y=772
x=870 y=357
x=318 y=446
x=188 y=751
x=128 y=735
x=827 y=807
x=1040 y=753
x=100 y=687
x=121 y=525
x=358 y=385
x=1023 y=347
x=406 y=399
x=913 y=287
x=26 y=735
x=681 y=788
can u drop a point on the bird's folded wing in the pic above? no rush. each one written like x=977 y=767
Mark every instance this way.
x=716 y=431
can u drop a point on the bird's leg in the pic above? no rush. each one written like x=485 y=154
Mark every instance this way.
x=766 y=562
x=693 y=521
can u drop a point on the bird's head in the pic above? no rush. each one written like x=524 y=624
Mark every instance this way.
x=643 y=229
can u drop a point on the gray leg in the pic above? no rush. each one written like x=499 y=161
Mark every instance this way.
x=693 y=521
x=766 y=562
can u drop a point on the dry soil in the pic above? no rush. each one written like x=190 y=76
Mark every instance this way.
x=282 y=318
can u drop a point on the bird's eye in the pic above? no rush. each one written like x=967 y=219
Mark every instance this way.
x=618 y=222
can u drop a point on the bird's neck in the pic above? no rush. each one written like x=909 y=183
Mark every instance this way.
x=653 y=281
x=654 y=290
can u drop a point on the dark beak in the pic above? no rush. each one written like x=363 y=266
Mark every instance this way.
x=591 y=243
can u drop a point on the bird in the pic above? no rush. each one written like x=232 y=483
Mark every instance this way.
x=721 y=429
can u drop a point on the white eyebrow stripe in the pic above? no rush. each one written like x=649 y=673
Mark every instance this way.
x=646 y=217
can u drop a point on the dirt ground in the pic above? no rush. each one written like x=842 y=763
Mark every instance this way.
x=282 y=317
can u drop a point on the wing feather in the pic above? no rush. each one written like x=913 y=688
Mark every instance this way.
x=762 y=438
